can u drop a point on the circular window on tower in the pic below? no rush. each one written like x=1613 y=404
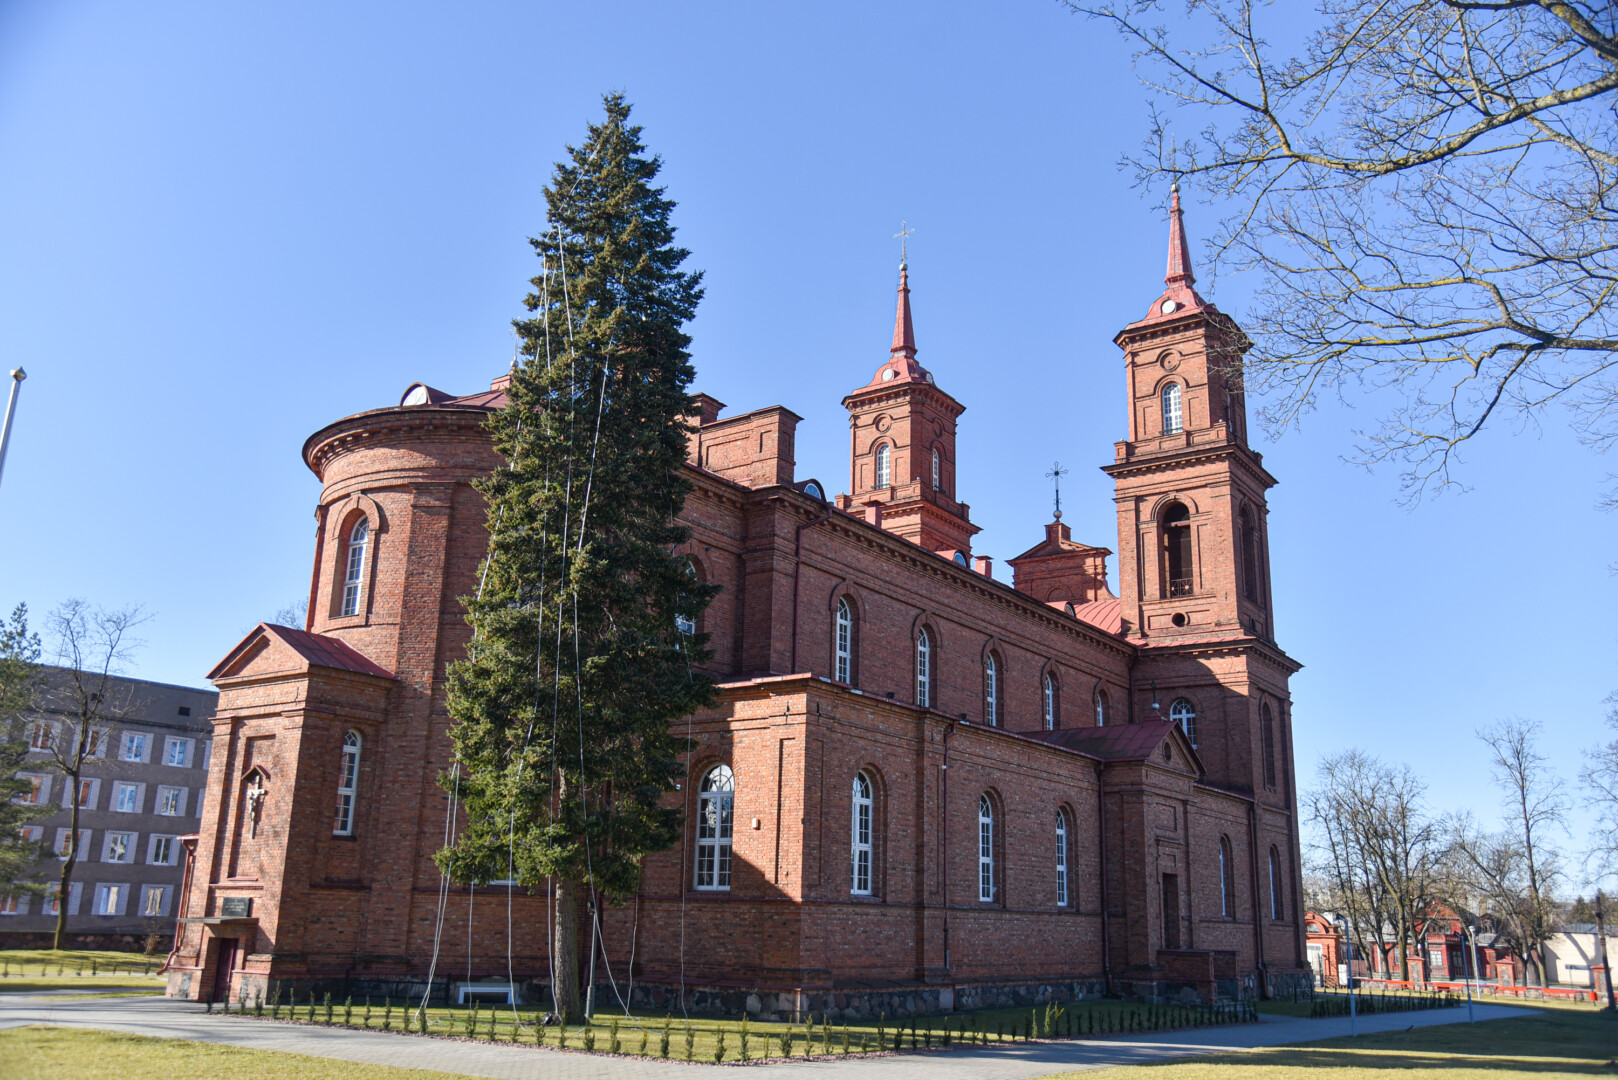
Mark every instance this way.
x=889 y=375
x=1179 y=619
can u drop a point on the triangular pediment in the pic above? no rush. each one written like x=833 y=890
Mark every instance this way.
x=271 y=651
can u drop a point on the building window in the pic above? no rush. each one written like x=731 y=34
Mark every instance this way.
x=938 y=470
x=119 y=847
x=716 y=802
x=843 y=647
x=110 y=899
x=353 y=574
x=1172 y=424
x=42 y=736
x=348 y=775
x=39 y=789
x=685 y=625
x=1249 y=556
x=1227 y=900
x=134 y=747
x=924 y=669
x=1101 y=708
x=1052 y=703
x=96 y=743
x=127 y=798
x=89 y=790
x=154 y=901
x=177 y=753
x=986 y=881
x=991 y=691
x=861 y=838
x=1266 y=734
x=1184 y=714
x=62 y=836
x=884 y=465
x=1061 y=859
x=1278 y=906
x=164 y=851
x=13 y=904
x=1176 y=550
x=170 y=801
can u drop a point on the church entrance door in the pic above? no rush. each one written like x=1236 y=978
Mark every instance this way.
x=225 y=968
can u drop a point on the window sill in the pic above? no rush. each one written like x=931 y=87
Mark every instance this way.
x=707 y=894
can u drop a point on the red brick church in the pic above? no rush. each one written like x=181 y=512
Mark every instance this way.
x=922 y=787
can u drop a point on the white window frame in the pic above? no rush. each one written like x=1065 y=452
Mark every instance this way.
x=884 y=466
x=112 y=895
x=938 y=470
x=1184 y=716
x=179 y=802
x=14 y=904
x=986 y=881
x=135 y=746
x=1050 y=701
x=991 y=691
x=1061 y=859
x=85 y=803
x=843 y=641
x=169 y=856
x=174 y=743
x=359 y=540
x=348 y=778
x=861 y=821
x=161 y=892
x=31 y=834
x=42 y=735
x=924 y=669
x=207 y=754
x=124 y=841
x=1101 y=707
x=60 y=847
x=53 y=891
x=136 y=795
x=716 y=820
x=1173 y=409
x=40 y=794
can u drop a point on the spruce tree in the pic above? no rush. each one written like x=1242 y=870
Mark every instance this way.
x=581 y=655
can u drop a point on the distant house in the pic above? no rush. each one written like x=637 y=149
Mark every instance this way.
x=1439 y=956
x=1572 y=957
x=141 y=792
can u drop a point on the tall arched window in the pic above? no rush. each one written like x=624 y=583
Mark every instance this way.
x=1249 y=555
x=924 y=669
x=991 y=691
x=1101 y=708
x=1278 y=907
x=1052 y=702
x=1182 y=712
x=860 y=842
x=1172 y=421
x=1176 y=550
x=884 y=465
x=1266 y=734
x=716 y=802
x=986 y=882
x=1227 y=899
x=938 y=470
x=353 y=574
x=843 y=647
x=1061 y=859
x=348 y=776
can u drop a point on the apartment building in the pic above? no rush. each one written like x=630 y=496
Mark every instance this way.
x=142 y=790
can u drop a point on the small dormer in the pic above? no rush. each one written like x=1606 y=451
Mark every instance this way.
x=1059 y=570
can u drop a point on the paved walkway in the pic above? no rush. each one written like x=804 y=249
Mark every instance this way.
x=180 y=1020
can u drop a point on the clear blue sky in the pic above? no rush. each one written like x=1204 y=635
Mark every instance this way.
x=224 y=225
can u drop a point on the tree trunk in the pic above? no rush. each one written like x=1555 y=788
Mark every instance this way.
x=565 y=946
x=64 y=889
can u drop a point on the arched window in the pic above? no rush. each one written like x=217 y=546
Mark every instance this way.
x=348 y=776
x=843 y=646
x=991 y=691
x=1278 y=907
x=1061 y=859
x=1266 y=734
x=938 y=470
x=716 y=801
x=1172 y=423
x=861 y=839
x=884 y=465
x=353 y=574
x=1249 y=556
x=1052 y=701
x=1182 y=712
x=1176 y=550
x=1227 y=899
x=1101 y=708
x=986 y=882
x=924 y=669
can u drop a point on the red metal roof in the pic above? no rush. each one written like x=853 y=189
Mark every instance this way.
x=1105 y=614
x=1115 y=742
x=323 y=651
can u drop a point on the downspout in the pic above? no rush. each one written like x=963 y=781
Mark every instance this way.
x=797 y=574
x=943 y=834
x=189 y=843
x=1258 y=925
x=1106 y=924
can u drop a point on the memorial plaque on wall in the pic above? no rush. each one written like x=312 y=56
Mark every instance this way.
x=236 y=907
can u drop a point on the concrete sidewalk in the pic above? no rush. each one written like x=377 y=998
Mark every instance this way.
x=168 y=1019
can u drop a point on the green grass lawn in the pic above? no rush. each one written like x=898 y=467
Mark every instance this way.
x=45 y=1053
x=27 y=970
x=1558 y=1041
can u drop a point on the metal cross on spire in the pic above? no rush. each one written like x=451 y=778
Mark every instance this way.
x=902 y=236
x=1055 y=475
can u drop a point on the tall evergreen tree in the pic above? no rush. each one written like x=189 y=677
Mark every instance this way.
x=578 y=664
x=20 y=870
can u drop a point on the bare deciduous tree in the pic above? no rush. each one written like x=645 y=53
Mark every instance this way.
x=1600 y=776
x=1378 y=854
x=1427 y=188
x=92 y=645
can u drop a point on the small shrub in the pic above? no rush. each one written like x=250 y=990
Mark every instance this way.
x=690 y=1040
x=348 y=1012
x=645 y=1036
x=663 y=1039
x=882 y=1031
x=365 y=1021
x=785 y=1039
x=845 y=1038
x=745 y=1052
x=612 y=1040
x=387 y=1014
x=719 y=1047
x=328 y=1008
x=561 y=1031
x=589 y=1038
x=258 y=1003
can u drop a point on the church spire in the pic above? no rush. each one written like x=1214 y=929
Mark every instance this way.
x=1179 y=272
x=904 y=331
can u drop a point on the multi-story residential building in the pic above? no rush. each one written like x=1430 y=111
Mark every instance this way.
x=141 y=791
